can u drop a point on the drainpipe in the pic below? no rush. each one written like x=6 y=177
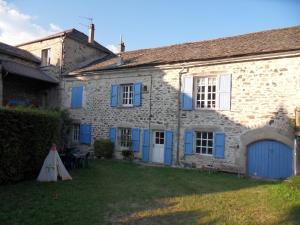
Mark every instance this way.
x=295 y=156
x=1 y=86
x=61 y=67
x=178 y=114
x=150 y=103
x=62 y=55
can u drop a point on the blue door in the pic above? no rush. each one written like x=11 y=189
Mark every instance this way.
x=269 y=159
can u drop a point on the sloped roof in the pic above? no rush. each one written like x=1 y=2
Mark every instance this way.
x=270 y=41
x=17 y=52
x=73 y=34
x=27 y=71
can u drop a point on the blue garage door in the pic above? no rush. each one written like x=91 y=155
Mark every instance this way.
x=269 y=159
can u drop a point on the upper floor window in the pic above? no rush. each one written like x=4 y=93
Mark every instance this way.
x=127 y=94
x=77 y=94
x=204 y=143
x=46 y=57
x=212 y=92
x=125 y=137
x=206 y=89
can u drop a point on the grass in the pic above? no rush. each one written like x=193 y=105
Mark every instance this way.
x=112 y=192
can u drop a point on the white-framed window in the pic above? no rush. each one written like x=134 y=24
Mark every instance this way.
x=159 y=137
x=204 y=143
x=206 y=92
x=125 y=137
x=127 y=94
x=76 y=132
x=46 y=57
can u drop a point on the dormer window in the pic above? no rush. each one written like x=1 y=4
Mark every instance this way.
x=45 y=57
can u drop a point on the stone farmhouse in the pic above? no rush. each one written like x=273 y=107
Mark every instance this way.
x=226 y=104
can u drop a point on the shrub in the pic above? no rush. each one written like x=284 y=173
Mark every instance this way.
x=128 y=154
x=25 y=137
x=104 y=148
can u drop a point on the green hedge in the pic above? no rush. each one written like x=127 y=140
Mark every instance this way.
x=25 y=138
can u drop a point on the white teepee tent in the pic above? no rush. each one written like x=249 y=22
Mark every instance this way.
x=53 y=167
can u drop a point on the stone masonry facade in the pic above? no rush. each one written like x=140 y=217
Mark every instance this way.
x=264 y=95
x=66 y=54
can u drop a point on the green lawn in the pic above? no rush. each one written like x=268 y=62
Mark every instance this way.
x=111 y=192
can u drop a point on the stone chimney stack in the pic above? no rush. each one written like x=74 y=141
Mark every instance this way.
x=121 y=45
x=91 y=33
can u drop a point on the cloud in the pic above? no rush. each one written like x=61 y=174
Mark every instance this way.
x=16 y=27
x=113 y=48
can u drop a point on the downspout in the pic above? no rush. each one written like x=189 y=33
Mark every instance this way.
x=295 y=156
x=150 y=110
x=61 y=67
x=178 y=114
x=150 y=102
x=1 y=86
x=62 y=56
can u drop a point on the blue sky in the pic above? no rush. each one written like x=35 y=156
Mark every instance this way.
x=154 y=23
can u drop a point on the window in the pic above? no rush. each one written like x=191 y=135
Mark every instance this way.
x=77 y=97
x=204 y=143
x=45 y=57
x=127 y=94
x=125 y=137
x=159 y=138
x=76 y=132
x=206 y=93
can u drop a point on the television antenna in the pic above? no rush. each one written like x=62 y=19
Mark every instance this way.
x=90 y=19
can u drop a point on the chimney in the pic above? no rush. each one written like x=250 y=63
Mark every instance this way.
x=121 y=45
x=91 y=33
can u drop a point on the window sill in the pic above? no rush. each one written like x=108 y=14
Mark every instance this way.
x=206 y=109
x=120 y=149
x=210 y=109
x=125 y=106
x=198 y=155
x=45 y=66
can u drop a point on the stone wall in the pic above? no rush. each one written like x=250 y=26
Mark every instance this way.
x=264 y=96
x=77 y=53
x=66 y=55
x=55 y=56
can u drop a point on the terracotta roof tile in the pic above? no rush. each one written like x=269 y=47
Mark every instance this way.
x=270 y=41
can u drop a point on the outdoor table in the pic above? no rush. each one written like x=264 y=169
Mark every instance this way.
x=81 y=159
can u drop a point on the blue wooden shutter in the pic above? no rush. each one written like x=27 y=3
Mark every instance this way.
x=135 y=139
x=137 y=87
x=85 y=134
x=114 y=95
x=188 y=142
x=112 y=134
x=168 y=147
x=219 y=145
x=76 y=97
x=224 y=92
x=146 y=145
x=187 y=93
